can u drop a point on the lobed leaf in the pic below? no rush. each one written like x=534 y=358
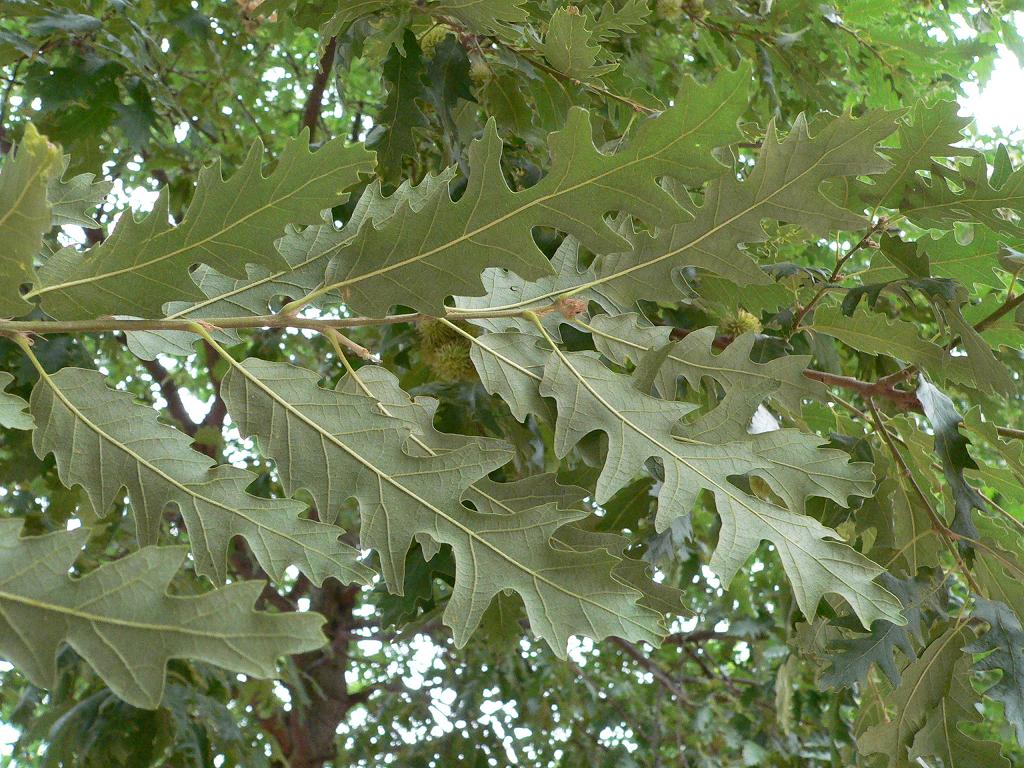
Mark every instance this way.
x=25 y=215
x=104 y=441
x=230 y=224
x=337 y=444
x=418 y=258
x=121 y=620
x=704 y=456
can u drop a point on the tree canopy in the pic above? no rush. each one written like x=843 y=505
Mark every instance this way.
x=509 y=382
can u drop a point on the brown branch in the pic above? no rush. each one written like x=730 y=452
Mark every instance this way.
x=168 y=391
x=1008 y=306
x=867 y=389
x=648 y=663
x=218 y=411
x=314 y=102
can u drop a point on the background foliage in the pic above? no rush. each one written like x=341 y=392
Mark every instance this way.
x=685 y=214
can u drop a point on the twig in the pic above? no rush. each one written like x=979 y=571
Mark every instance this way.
x=1008 y=306
x=314 y=102
x=648 y=663
x=865 y=242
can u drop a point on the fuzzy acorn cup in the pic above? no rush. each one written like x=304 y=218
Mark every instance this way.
x=739 y=322
x=446 y=351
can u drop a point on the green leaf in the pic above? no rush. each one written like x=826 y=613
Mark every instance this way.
x=121 y=620
x=306 y=253
x=347 y=14
x=784 y=186
x=337 y=445
x=229 y=224
x=570 y=48
x=904 y=537
x=988 y=373
x=511 y=365
x=512 y=498
x=12 y=407
x=968 y=194
x=855 y=656
x=951 y=447
x=24 y=215
x=394 y=135
x=705 y=455
x=104 y=441
x=876 y=334
x=489 y=17
x=923 y=133
x=923 y=688
x=1003 y=645
x=73 y=201
x=969 y=263
x=418 y=258
x=622 y=338
x=942 y=736
x=612 y=22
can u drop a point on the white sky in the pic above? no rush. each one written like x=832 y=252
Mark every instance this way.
x=998 y=107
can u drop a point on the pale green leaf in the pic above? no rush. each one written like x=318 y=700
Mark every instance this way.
x=704 y=456
x=229 y=224
x=24 y=214
x=121 y=620
x=73 y=201
x=623 y=337
x=511 y=365
x=339 y=445
x=12 y=408
x=418 y=258
x=104 y=441
x=306 y=253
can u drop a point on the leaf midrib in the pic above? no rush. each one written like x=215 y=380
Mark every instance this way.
x=94 y=618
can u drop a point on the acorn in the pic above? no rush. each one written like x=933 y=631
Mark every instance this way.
x=479 y=72
x=695 y=9
x=445 y=350
x=738 y=323
x=451 y=361
x=669 y=9
x=432 y=38
x=434 y=333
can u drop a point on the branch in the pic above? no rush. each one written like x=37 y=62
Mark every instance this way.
x=648 y=663
x=867 y=389
x=314 y=102
x=280 y=320
x=169 y=392
x=1008 y=306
